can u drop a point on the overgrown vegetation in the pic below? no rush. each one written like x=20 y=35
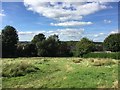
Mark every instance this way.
x=62 y=73
x=17 y=69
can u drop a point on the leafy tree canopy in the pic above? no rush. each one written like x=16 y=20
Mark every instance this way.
x=112 y=42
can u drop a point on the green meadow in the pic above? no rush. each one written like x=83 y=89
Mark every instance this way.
x=59 y=73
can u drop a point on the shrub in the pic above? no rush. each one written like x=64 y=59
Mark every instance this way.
x=113 y=55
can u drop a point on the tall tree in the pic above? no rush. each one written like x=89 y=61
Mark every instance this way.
x=112 y=42
x=9 y=41
x=48 y=47
x=38 y=38
x=83 y=47
x=52 y=45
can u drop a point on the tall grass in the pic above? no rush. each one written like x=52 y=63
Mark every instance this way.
x=113 y=55
x=18 y=69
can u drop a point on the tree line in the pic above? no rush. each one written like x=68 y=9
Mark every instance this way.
x=52 y=46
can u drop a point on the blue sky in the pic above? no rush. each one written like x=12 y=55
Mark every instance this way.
x=70 y=21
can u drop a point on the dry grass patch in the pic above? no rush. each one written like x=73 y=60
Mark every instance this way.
x=69 y=68
x=102 y=62
x=77 y=60
x=115 y=84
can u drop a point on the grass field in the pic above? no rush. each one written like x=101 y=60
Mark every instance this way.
x=60 y=73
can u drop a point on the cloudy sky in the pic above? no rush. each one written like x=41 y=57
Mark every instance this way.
x=69 y=20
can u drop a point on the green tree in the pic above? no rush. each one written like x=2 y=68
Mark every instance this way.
x=42 y=48
x=64 y=50
x=48 y=47
x=112 y=42
x=9 y=41
x=83 y=47
x=52 y=45
x=38 y=38
x=26 y=50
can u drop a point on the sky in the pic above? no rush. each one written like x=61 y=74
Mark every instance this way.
x=68 y=20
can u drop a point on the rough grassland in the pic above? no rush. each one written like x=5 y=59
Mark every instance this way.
x=61 y=73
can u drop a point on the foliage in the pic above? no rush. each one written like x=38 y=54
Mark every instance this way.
x=83 y=47
x=27 y=50
x=112 y=42
x=9 y=41
x=53 y=47
x=64 y=50
x=38 y=38
x=48 y=47
x=113 y=55
x=98 y=46
x=42 y=48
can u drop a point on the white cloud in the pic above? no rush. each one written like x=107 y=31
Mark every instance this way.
x=107 y=21
x=67 y=34
x=64 y=11
x=114 y=31
x=99 y=35
x=71 y=23
x=64 y=34
x=30 y=32
x=76 y=0
x=2 y=13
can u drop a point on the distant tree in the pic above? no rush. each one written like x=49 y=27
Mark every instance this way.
x=98 y=46
x=38 y=38
x=9 y=41
x=64 y=50
x=42 y=48
x=83 y=47
x=72 y=47
x=52 y=45
x=48 y=47
x=30 y=50
x=26 y=50
x=20 y=52
x=112 y=42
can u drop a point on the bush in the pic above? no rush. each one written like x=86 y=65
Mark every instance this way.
x=18 y=69
x=113 y=55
